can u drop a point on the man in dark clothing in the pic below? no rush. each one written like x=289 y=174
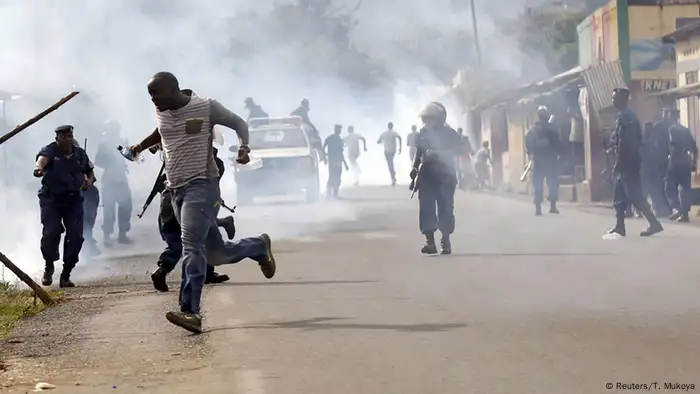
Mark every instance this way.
x=626 y=142
x=333 y=147
x=682 y=161
x=116 y=194
x=658 y=151
x=302 y=111
x=542 y=146
x=91 y=203
x=438 y=147
x=66 y=172
x=170 y=232
x=254 y=110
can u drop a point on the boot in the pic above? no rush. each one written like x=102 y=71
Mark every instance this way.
x=675 y=215
x=654 y=224
x=216 y=278
x=429 y=247
x=123 y=239
x=538 y=209
x=160 y=278
x=445 y=245
x=64 y=281
x=553 y=207
x=47 y=279
x=685 y=218
x=619 y=227
x=228 y=225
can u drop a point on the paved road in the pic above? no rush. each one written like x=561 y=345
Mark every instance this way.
x=524 y=305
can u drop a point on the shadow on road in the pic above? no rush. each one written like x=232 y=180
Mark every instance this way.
x=298 y=283
x=323 y=323
x=554 y=254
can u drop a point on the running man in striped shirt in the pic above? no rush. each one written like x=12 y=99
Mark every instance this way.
x=185 y=123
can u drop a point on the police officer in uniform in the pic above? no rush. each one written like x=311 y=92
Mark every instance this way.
x=91 y=203
x=66 y=172
x=626 y=141
x=682 y=161
x=302 y=111
x=542 y=146
x=116 y=193
x=336 y=161
x=170 y=232
x=438 y=147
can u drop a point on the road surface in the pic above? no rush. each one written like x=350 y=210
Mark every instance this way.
x=524 y=305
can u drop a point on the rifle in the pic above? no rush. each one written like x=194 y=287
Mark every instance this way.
x=413 y=187
x=156 y=188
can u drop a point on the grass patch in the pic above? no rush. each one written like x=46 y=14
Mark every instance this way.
x=16 y=304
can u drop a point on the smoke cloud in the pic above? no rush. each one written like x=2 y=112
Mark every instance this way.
x=228 y=50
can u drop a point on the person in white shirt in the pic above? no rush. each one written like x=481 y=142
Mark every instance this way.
x=352 y=142
x=391 y=140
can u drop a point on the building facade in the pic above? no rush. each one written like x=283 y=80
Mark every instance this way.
x=632 y=32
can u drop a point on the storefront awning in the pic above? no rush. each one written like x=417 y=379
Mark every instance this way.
x=600 y=80
x=680 y=92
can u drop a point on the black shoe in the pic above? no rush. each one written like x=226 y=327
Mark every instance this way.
x=553 y=209
x=124 y=240
x=619 y=230
x=675 y=215
x=64 y=281
x=684 y=219
x=160 y=279
x=445 y=246
x=47 y=279
x=216 y=278
x=429 y=248
x=228 y=225
x=188 y=321
x=269 y=266
x=654 y=228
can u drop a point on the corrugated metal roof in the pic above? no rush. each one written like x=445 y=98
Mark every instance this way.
x=601 y=80
x=680 y=92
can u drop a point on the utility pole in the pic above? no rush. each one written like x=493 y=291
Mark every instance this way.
x=475 y=27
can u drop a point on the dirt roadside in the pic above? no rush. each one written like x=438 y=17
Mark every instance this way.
x=107 y=336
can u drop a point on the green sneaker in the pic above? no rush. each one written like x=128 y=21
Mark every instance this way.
x=188 y=321
x=269 y=267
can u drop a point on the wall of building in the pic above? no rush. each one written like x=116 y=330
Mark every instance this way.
x=598 y=36
x=649 y=57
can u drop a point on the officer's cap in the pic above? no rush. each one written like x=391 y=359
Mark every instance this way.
x=64 y=129
x=621 y=92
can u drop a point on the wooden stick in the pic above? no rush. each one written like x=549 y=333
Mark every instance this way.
x=43 y=295
x=37 y=118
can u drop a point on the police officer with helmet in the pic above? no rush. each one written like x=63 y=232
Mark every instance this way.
x=438 y=147
x=542 y=146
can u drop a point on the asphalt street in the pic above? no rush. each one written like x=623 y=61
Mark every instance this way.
x=524 y=305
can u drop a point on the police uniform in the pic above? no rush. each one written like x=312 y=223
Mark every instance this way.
x=542 y=145
x=61 y=204
x=438 y=147
x=626 y=142
x=170 y=232
x=335 y=146
x=681 y=160
x=91 y=203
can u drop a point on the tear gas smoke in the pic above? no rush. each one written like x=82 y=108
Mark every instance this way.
x=227 y=50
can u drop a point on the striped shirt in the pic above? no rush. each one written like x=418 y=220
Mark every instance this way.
x=186 y=138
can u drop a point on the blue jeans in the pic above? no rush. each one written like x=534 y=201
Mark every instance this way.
x=196 y=205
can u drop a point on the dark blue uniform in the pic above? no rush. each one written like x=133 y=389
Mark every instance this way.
x=542 y=145
x=334 y=144
x=626 y=141
x=61 y=203
x=683 y=151
x=438 y=150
